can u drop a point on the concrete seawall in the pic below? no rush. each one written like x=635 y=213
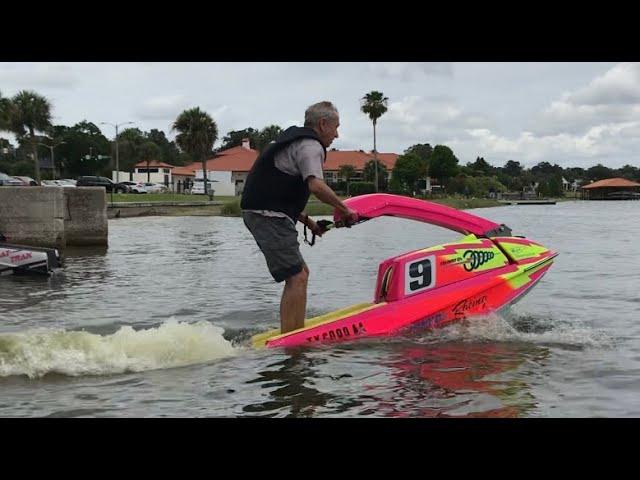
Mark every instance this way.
x=85 y=221
x=53 y=216
x=140 y=209
x=33 y=216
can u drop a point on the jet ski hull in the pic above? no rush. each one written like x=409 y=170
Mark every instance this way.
x=485 y=271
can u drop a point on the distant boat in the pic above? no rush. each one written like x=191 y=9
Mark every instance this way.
x=541 y=201
x=27 y=259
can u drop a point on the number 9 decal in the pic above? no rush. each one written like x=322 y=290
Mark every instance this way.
x=420 y=274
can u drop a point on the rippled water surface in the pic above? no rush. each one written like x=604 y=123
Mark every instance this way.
x=158 y=325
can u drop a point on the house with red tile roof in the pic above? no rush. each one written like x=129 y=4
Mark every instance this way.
x=237 y=162
x=229 y=168
x=159 y=172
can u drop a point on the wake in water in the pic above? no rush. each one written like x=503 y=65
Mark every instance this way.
x=173 y=344
x=527 y=328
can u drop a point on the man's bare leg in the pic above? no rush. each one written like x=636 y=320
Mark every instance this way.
x=293 y=305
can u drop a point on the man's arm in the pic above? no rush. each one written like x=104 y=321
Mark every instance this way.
x=325 y=194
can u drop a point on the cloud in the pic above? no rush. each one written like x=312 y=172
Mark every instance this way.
x=163 y=107
x=565 y=149
x=409 y=71
x=613 y=97
x=417 y=119
x=24 y=76
x=619 y=86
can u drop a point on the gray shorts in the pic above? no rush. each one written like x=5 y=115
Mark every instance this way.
x=277 y=238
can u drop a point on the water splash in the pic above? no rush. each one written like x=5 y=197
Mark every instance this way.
x=526 y=328
x=173 y=344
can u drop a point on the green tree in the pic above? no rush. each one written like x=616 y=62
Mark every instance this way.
x=551 y=187
x=481 y=167
x=512 y=168
x=374 y=104
x=129 y=142
x=267 y=135
x=599 y=172
x=574 y=173
x=409 y=168
x=169 y=152
x=83 y=150
x=5 y=105
x=376 y=170
x=544 y=170
x=197 y=132
x=234 y=138
x=30 y=113
x=346 y=172
x=422 y=150
x=149 y=152
x=629 y=172
x=444 y=163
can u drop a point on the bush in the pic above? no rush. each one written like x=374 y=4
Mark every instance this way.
x=339 y=187
x=474 y=186
x=361 y=188
x=231 y=208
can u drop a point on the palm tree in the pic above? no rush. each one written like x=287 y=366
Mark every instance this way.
x=5 y=105
x=267 y=135
x=374 y=104
x=346 y=172
x=149 y=151
x=197 y=132
x=30 y=112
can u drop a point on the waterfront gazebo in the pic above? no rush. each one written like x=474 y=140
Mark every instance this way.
x=611 y=189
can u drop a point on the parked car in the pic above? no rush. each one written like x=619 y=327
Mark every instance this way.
x=155 y=187
x=26 y=181
x=109 y=185
x=198 y=186
x=57 y=183
x=135 y=187
x=7 y=181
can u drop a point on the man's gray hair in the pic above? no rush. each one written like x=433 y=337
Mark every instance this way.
x=318 y=111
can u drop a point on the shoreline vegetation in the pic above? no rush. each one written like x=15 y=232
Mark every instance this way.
x=181 y=205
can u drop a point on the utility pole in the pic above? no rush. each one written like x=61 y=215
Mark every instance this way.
x=53 y=162
x=116 y=125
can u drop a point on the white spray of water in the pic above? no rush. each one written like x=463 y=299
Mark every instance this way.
x=495 y=328
x=173 y=344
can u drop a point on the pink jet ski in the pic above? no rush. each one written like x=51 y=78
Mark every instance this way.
x=486 y=270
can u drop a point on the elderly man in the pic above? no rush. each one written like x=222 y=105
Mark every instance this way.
x=275 y=195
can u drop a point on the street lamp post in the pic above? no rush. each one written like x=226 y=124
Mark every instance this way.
x=116 y=125
x=51 y=147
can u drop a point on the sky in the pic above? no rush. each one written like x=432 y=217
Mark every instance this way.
x=572 y=114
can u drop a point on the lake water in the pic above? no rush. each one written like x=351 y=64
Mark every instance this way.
x=158 y=325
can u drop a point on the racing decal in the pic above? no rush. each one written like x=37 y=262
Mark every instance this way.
x=20 y=257
x=339 y=333
x=476 y=258
x=420 y=275
x=462 y=307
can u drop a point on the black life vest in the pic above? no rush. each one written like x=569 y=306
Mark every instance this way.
x=268 y=188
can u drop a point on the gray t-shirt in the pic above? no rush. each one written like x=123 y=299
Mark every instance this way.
x=303 y=157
